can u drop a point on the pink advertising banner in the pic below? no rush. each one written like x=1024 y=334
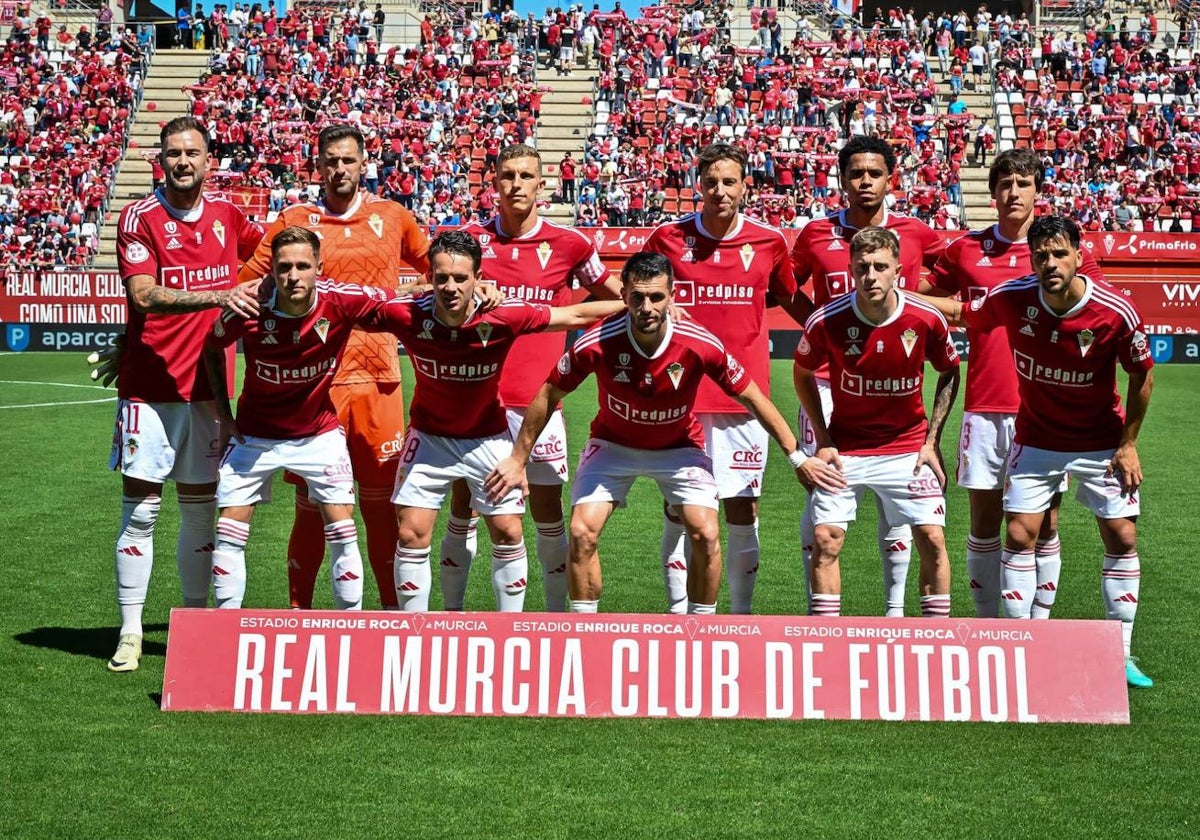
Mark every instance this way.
x=645 y=666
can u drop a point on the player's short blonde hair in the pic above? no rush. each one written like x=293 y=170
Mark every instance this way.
x=296 y=235
x=871 y=239
x=518 y=150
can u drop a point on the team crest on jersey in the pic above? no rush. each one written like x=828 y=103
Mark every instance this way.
x=322 y=328
x=269 y=325
x=314 y=219
x=1085 y=337
x=837 y=230
x=988 y=244
x=375 y=223
x=485 y=239
x=426 y=330
x=1031 y=312
x=485 y=333
x=716 y=256
x=544 y=252
x=879 y=346
x=1012 y=261
x=909 y=339
x=1054 y=336
x=171 y=228
x=516 y=253
x=852 y=333
x=623 y=359
x=296 y=337
x=675 y=372
x=218 y=230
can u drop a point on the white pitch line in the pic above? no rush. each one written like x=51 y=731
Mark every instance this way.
x=56 y=384
x=69 y=402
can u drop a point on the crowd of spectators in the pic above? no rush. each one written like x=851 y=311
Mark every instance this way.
x=1113 y=111
x=65 y=106
x=435 y=114
x=672 y=81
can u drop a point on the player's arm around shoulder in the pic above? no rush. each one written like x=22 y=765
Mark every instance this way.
x=582 y=314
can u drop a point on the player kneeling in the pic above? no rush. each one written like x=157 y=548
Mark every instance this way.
x=876 y=340
x=649 y=369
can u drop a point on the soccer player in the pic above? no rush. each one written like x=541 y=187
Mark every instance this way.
x=970 y=267
x=369 y=241
x=458 y=425
x=535 y=260
x=874 y=342
x=649 y=369
x=1068 y=333
x=178 y=255
x=865 y=166
x=727 y=269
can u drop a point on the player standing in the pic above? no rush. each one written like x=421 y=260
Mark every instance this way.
x=874 y=342
x=1068 y=333
x=531 y=259
x=727 y=269
x=865 y=166
x=369 y=241
x=178 y=255
x=649 y=370
x=458 y=426
x=970 y=267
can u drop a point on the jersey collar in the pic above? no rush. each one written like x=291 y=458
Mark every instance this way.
x=533 y=232
x=890 y=319
x=190 y=216
x=350 y=211
x=637 y=348
x=1083 y=301
x=843 y=222
x=733 y=231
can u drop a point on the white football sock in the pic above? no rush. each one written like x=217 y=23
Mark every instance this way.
x=807 y=540
x=510 y=571
x=193 y=552
x=1120 y=583
x=935 y=606
x=1018 y=582
x=135 y=558
x=983 y=573
x=584 y=606
x=413 y=578
x=345 y=564
x=895 y=551
x=229 y=564
x=701 y=609
x=1048 y=557
x=826 y=605
x=741 y=566
x=675 y=565
x=459 y=545
x=552 y=555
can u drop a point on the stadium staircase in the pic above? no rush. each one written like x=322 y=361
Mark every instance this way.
x=566 y=117
x=162 y=100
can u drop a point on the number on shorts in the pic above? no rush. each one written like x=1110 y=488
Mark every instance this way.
x=806 y=430
x=588 y=452
x=410 y=450
x=130 y=418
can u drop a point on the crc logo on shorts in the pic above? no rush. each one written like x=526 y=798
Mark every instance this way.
x=551 y=449
x=751 y=459
x=925 y=486
x=136 y=252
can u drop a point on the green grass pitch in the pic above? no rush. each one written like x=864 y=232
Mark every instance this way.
x=85 y=753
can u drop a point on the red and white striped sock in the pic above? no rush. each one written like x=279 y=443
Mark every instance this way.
x=674 y=565
x=345 y=564
x=510 y=573
x=1018 y=582
x=459 y=544
x=413 y=578
x=826 y=605
x=983 y=574
x=1048 y=557
x=229 y=564
x=135 y=558
x=935 y=606
x=552 y=556
x=1120 y=583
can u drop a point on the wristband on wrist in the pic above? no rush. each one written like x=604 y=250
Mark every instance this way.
x=796 y=458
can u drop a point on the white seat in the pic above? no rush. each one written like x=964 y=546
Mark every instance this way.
x=1076 y=98
x=1187 y=225
x=1008 y=133
x=1154 y=99
x=1003 y=109
x=1006 y=121
x=999 y=97
x=1139 y=98
x=1005 y=145
x=1016 y=97
x=1137 y=225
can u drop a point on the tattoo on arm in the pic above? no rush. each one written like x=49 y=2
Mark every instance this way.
x=163 y=301
x=943 y=398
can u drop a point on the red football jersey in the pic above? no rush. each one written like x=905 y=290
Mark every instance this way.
x=1067 y=365
x=876 y=371
x=194 y=252
x=539 y=267
x=822 y=253
x=458 y=368
x=648 y=402
x=724 y=285
x=970 y=267
x=291 y=360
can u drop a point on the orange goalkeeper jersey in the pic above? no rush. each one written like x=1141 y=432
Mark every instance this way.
x=373 y=244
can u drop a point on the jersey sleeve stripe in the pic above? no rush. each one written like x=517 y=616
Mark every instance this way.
x=696 y=331
x=133 y=213
x=1118 y=304
x=600 y=332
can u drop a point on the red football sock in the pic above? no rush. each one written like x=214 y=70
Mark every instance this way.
x=379 y=517
x=306 y=551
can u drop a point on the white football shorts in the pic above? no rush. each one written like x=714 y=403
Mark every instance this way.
x=737 y=445
x=548 y=461
x=808 y=438
x=904 y=498
x=321 y=460
x=160 y=441
x=607 y=470
x=430 y=463
x=984 y=444
x=1035 y=475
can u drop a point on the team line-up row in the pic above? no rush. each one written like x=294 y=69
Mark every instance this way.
x=678 y=399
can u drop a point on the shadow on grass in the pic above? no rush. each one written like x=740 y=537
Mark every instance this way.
x=94 y=642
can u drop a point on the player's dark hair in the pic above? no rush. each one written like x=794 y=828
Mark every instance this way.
x=296 y=235
x=457 y=243
x=1053 y=227
x=178 y=126
x=518 y=150
x=871 y=239
x=866 y=146
x=645 y=265
x=714 y=152
x=1016 y=162
x=333 y=133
